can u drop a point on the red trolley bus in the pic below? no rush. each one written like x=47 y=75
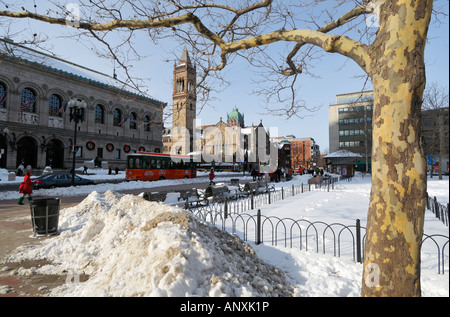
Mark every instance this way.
x=146 y=166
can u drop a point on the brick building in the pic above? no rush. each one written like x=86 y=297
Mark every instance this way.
x=305 y=152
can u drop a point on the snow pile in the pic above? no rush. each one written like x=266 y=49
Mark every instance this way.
x=132 y=247
x=4 y=176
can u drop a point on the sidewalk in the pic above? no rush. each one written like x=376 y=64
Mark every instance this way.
x=15 y=231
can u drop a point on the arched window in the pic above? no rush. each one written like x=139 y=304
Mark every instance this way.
x=117 y=117
x=28 y=100
x=99 y=114
x=133 y=118
x=54 y=106
x=147 y=123
x=2 y=96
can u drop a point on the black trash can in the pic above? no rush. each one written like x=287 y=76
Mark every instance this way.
x=45 y=216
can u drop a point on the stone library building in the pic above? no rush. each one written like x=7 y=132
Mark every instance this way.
x=51 y=108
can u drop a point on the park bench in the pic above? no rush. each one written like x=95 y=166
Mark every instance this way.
x=257 y=187
x=315 y=180
x=154 y=196
x=171 y=199
x=220 y=193
x=234 y=181
x=251 y=188
x=264 y=187
x=192 y=197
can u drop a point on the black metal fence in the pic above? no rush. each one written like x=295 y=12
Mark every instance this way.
x=438 y=209
x=440 y=242
x=318 y=236
x=254 y=201
x=238 y=217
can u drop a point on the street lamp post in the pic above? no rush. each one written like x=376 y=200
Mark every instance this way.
x=76 y=107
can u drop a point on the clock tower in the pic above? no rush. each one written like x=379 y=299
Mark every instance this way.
x=184 y=102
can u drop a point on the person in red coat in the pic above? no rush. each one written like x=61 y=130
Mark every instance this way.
x=26 y=187
x=211 y=176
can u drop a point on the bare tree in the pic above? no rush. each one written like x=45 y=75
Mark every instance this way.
x=393 y=58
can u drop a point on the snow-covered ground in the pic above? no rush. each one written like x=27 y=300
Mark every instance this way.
x=132 y=247
x=325 y=275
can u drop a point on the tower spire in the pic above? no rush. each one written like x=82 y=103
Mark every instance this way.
x=185 y=59
x=184 y=98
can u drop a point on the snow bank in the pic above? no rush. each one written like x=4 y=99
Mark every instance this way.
x=132 y=247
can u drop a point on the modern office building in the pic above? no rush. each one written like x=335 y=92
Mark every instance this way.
x=350 y=129
x=435 y=126
x=350 y=126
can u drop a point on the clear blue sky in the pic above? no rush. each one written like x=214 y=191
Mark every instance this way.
x=336 y=76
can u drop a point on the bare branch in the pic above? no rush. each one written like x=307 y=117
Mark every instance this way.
x=325 y=29
x=230 y=31
x=330 y=43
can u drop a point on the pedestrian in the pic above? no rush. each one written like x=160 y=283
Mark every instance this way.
x=97 y=162
x=277 y=175
x=254 y=173
x=211 y=176
x=316 y=171
x=20 y=169
x=26 y=187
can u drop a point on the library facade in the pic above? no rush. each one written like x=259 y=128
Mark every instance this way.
x=37 y=117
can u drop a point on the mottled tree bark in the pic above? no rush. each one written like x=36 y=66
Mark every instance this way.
x=397 y=203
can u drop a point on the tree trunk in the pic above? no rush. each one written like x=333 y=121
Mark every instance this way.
x=397 y=203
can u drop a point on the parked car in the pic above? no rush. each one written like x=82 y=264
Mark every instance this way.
x=60 y=180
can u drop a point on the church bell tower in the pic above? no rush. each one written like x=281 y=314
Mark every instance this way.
x=184 y=99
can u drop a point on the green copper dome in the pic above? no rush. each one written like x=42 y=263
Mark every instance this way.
x=235 y=118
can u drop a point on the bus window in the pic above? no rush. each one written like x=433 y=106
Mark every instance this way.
x=137 y=163
x=130 y=162
x=158 y=164
x=153 y=165
x=163 y=164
